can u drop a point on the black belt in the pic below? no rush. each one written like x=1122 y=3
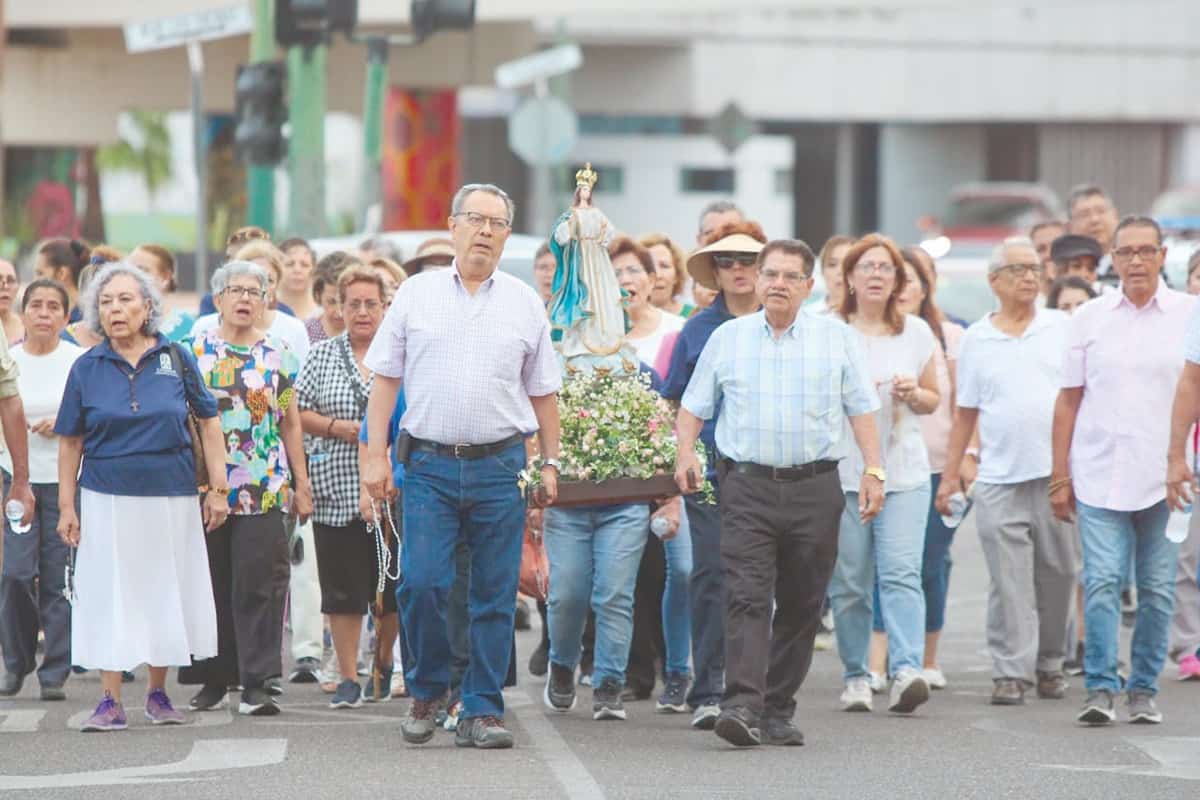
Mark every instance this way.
x=800 y=473
x=468 y=452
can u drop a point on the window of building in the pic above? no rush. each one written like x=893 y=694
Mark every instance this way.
x=704 y=180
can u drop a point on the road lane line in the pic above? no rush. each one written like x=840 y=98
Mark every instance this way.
x=562 y=762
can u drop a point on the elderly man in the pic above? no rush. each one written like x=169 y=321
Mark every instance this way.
x=472 y=347
x=729 y=266
x=784 y=382
x=1008 y=378
x=1124 y=356
x=1092 y=213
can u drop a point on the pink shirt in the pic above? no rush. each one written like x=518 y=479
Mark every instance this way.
x=1128 y=361
x=935 y=427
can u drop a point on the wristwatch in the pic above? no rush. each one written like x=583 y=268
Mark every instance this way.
x=552 y=462
x=877 y=473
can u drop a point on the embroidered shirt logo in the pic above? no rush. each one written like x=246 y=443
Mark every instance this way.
x=164 y=366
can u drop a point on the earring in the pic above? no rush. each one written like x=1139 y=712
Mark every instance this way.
x=850 y=289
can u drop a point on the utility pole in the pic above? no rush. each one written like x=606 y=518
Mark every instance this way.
x=306 y=148
x=260 y=179
x=373 y=100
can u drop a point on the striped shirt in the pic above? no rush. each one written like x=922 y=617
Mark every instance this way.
x=783 y=401
x=469 y=363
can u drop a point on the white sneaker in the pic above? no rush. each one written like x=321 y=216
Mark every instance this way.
x=857 y=695
x=934 y=677
x=877 y=682
x=909 y=690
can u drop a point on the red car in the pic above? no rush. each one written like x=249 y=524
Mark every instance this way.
x=981 y=215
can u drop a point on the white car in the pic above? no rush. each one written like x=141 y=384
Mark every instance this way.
x=516 y=260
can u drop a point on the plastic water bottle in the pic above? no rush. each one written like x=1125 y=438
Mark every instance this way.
x=958 y=502
x=660 y=527
x=14 y=510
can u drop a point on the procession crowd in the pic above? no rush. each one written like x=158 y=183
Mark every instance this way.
x=338 y=440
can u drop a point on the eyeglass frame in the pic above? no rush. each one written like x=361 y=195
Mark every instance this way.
x=1126 y=254
x=498 y=224
x=245 y=292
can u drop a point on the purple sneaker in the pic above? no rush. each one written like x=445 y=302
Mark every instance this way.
x=160 y=711
x=109 y=716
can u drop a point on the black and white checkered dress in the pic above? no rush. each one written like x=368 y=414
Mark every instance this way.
x=326 y=386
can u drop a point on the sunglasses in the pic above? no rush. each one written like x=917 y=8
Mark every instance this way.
x=731 y=260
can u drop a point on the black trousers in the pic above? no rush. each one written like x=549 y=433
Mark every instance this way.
x=248 y=561
x=648 y=648
x=778 y=546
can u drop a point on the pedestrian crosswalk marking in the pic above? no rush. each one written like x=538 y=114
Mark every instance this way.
x=20 y=720
x=1177 y=756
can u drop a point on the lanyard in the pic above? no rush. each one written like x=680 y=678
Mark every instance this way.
x=134 y=405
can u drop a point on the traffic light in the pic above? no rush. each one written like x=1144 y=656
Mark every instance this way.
x=310 y=22
x=260 y=113
x=431 y=16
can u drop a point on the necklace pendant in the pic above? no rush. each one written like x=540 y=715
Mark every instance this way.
x=134 y=406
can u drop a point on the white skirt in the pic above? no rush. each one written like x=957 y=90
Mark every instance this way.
x=144 y=594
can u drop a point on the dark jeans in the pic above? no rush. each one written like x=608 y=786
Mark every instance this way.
x=648 y=644
x=707 y=595
x=31 y=593
x=249 y=564
x=779 y=543
x=477 y=502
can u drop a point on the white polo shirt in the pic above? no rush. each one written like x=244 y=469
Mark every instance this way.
x=1014 y=382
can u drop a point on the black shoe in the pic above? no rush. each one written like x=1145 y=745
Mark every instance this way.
x=780 y=731
x=634 y=694
x=539 y=660
x=78 y=670
x=606 y=700
x=521 y=619
x=305 y=671
x=53 y=694
x=11 y=684
x=738 y=727
x=258 y=703
x=559 y=694
x=127 y=677
x=209 y=698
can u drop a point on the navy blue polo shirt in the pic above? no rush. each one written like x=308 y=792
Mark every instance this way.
x=688 y=348
x=392 y=432
x=142 y=453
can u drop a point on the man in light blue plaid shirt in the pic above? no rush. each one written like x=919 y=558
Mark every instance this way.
x=787 y=382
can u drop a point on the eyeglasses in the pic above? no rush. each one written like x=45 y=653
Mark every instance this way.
x=498 y=224
x=248 y=292
x=731 y=260
x=1021 y=270
x=1146 y=252
x=772 y=275
x=370 y=306
x=883 y=268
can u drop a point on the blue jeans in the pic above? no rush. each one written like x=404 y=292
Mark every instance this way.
x=676 y=605
x=935 y=567
x=1107 y=538
x=594 y=554
x=895 y=540
x=448 y=500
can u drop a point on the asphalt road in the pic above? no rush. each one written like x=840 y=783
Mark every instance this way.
x=955 y=746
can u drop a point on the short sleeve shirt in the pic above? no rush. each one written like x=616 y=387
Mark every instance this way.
x=133 y=420
x=253 y=388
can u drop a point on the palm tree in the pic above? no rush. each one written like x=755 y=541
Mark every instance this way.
x=150 y=158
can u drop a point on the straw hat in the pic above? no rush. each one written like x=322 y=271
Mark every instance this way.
x=431 y=248
x=700 y=264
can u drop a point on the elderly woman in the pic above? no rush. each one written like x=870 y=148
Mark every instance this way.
x=670 y=274
x=124 y=415
x=10 y=286
x=272 y=320
x=332 y=390
x=157 y=262
x=251 y=376
x=900 y=351
x=31 y=588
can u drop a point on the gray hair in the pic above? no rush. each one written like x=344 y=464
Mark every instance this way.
x=90 y=301
x=718 y=207
x=382 y=248
x=467 y=190
x=238 y=269
x=998 y=260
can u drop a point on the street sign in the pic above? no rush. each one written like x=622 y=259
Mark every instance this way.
x=199 y=26
x=539 y=66
x=731 y=128
x=543 y=131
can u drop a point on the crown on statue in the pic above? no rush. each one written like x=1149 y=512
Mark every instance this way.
x=586 y=176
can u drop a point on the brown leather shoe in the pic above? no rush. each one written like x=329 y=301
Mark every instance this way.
x=1051 y=685
x=1008 y=692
